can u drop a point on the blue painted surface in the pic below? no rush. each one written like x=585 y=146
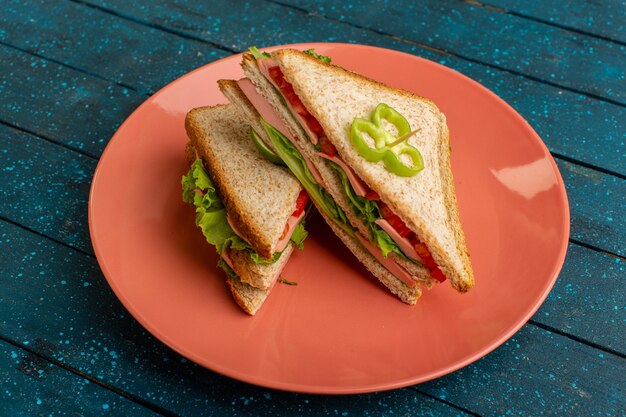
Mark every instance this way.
x=32 y=386
x=70 y=72
x=600 y=18
x=549 y=53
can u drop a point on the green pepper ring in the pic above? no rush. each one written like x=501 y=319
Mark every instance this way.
x=381 y=138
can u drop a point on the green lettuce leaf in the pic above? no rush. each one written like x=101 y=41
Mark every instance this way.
x=258 y=54
x=298 y=236
x=229 y=271
x=199 y=191
x=368 y=211
x=291 y=156
x=322 y=58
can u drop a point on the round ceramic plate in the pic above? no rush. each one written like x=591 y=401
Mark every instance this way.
x=338 y=330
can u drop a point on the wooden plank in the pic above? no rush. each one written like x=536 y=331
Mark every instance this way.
x=606 y=18
x=587 y=300
x=87 y=329
x=577 y=61
x=64 y=105
x=597 y=207
x=45 y=187
x=90 y=331
x=83 y=36
x=535 y=373
x=572 y=125
x=33 y=386
x=573 y=60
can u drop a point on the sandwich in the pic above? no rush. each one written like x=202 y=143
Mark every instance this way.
x=375 y=161
x=250 y=209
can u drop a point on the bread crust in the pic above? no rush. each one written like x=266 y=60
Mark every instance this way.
x=411 y=198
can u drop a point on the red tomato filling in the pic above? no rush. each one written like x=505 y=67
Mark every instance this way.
x=294 y=101
x=301 y=201
x=420 y=248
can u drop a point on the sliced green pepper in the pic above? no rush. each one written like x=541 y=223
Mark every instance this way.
x=387 y=147
x=264 y=150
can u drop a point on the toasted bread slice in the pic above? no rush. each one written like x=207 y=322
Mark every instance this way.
x=259 y=196
x=425 y=202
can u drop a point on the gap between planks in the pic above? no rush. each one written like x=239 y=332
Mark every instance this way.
x=156 y=26
x=47 y=139
x=453 y=54
x=463 y=409
x=315 y=14
x=152 y=407
x=542 y=21
x=158 y=409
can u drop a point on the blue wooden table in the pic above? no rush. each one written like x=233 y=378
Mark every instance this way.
x=72 y=71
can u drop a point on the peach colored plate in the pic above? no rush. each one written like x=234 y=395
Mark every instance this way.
x=337 y=331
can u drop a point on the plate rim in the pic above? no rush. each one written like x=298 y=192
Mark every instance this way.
x=324 y=389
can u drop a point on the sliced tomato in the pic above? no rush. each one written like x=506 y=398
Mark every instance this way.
x=427 y=258
x=277 y=75
x=372 y=195
x=393 y=219
x=301 y=201
x=297 y=106
x=313 y=124
x=326 y=146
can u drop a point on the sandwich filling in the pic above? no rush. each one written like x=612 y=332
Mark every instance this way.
x=388 y=233
x=212 y=219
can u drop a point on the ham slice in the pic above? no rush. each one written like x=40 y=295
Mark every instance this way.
x=358 y=185
x=389 y=264
x=235 y=229
x=268 y=113
x=292 y=222
x=226 y=258
x=264 y=66
x=291 y=226
x=403 y=243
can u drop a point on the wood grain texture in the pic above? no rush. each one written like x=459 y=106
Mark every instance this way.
x=91 y=332
x=597 y=207
x=588 y=299
x=32 y=386
x=89 y=39
x=546 y=374
x=572 y=125
x=605 y=18
x=552 y=54
x=64 y=105
x=45 y=187
x=87 y=329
